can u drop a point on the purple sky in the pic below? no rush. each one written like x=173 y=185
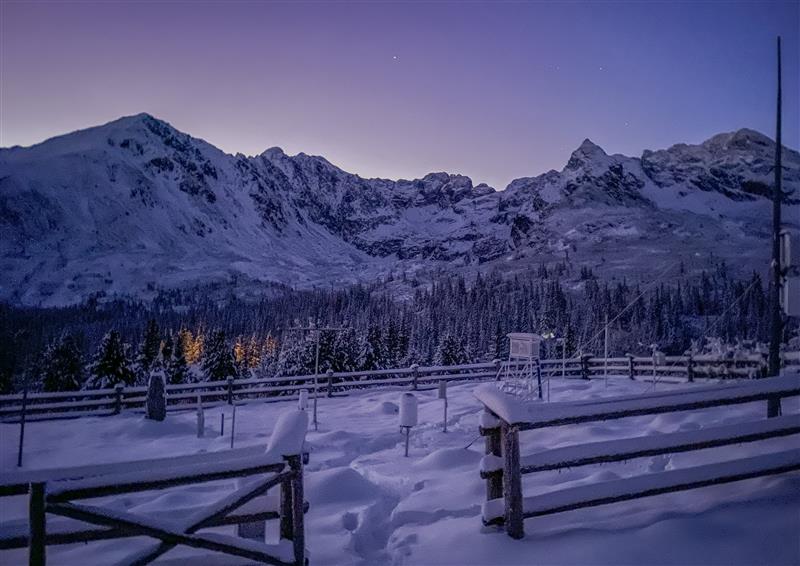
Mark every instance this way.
x=491 y=90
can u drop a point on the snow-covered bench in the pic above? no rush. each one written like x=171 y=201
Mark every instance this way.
x=55 y=492
x=505 y=416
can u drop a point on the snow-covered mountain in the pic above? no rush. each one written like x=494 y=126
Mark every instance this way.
x=135 y=205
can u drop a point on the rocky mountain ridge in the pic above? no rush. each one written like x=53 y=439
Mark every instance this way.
x=135 y=205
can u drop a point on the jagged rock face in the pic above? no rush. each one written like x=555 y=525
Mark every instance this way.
x=739 y=165
x=136 y=205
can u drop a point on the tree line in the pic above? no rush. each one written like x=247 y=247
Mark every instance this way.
x=194 y=335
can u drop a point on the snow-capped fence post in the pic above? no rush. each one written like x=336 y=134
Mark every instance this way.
x=119 y=389
x=156 y=400
x=512 y=481
x=329 y=374
x=201 y=419
x=690 y=368
x=490 y=429
x=414 y=376
x=37 y=525
x=631 y=372
x=408 y=415
x=585 y=366
x=230 y=390
x=443 y=396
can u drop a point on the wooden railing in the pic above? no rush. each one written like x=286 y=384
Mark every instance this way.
x=55 y=492
x=505 y=417
x=103 y=402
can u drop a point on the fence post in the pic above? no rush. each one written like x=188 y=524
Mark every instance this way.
x=493 y=446
x=414 y=376
x=512 y=481
x=37 y=525
x=585 y=366
x=690 y=368
x=497 y=364
x=329 y=374
x=285 y=529
x=298 y=528
x=230 y=390
x=631 y=373
x=119 y=388
x=774 y=407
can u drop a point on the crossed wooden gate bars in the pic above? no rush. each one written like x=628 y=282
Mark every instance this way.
x=281 y=465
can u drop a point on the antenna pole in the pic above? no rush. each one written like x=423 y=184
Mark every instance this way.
x=774 y=362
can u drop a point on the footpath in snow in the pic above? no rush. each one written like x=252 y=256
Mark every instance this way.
x=370 y=505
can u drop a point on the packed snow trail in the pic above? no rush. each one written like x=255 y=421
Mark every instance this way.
x=370 y=505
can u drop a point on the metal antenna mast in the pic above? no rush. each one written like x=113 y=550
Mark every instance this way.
x=777 y=271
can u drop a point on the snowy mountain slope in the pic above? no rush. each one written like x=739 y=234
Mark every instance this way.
x=136 y=205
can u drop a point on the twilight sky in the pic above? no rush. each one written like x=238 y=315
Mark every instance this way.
x=396 y=89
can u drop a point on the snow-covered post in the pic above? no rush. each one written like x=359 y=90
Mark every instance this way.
x=491 y=465
x=690 y=368
x=443 y=396
x=512 y=481
x=201 y=419
x=230 y=390
x=329 y=374
x=631 y=372
x=408 y=415
x=302 y=400
x=156 y=397
x=585 y=366
x=414 y=376
x=119 y=388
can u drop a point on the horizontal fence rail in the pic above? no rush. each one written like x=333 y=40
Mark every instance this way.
x=103 y=402
x=505 y=417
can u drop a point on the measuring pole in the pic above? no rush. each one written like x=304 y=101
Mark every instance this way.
x=605 y=350
x=774 y=365
x=317 y=331
x=233 y=425
x=316 y=380
x=22 y=423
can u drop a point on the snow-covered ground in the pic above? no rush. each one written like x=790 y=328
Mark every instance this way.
x=370 y=505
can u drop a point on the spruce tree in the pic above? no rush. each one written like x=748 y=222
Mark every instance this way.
x=149 y=350
x=111 y=365
x=62 y=366
x=177 y=368
x=218 y=360
x=451 y=351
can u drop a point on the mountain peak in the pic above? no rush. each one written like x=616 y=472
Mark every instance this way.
x=586 y=152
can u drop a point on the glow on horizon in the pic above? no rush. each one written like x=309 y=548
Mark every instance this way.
x=492 y=91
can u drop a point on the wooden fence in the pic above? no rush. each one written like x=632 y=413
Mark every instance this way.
x=505 y=417
x=54 y=492
x=103 y=402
